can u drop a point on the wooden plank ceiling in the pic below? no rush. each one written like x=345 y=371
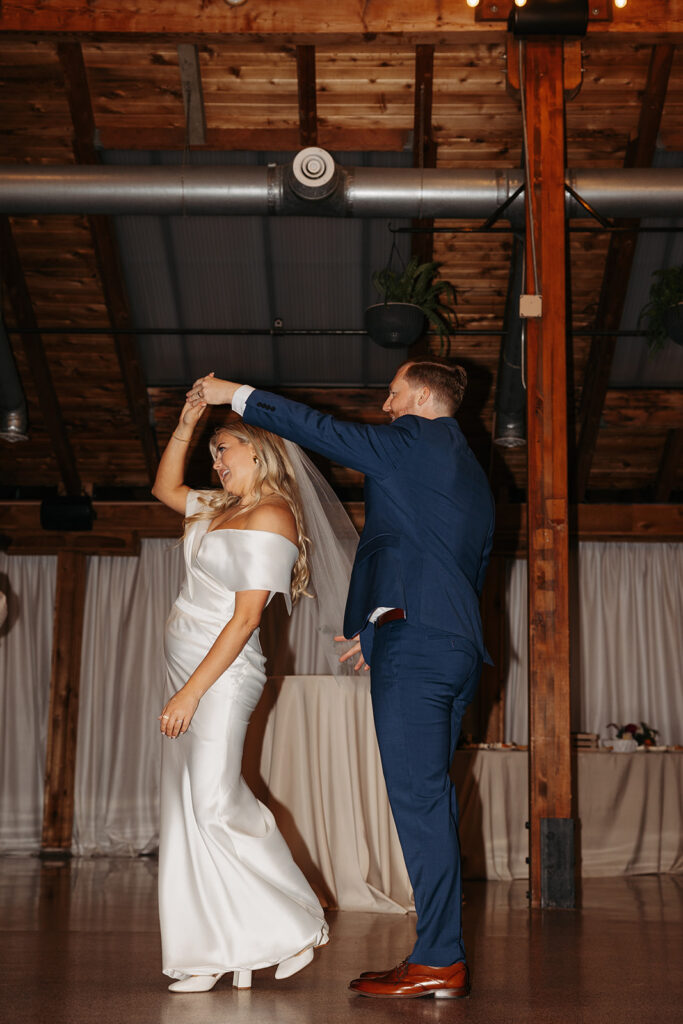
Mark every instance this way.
x=77 y=75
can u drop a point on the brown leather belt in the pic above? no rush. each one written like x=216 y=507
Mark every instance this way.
x=389 y=616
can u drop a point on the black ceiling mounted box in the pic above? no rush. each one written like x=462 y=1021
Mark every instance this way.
x=549 y=18
x=66 y=513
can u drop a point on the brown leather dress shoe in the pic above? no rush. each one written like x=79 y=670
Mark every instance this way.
x=412 y=981
x=377 y=974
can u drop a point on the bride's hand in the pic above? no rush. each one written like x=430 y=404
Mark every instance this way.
x=352 y=651
x=177 y=715
x=191 y=414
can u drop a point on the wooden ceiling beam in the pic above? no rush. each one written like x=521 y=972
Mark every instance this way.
x=618 y=265
x=107 y=255
x=20 y=300
x=670 y=465
x=301 y=20
x=306 y=85
x=643 y=409
x=262 y=140
x=193 y=97
x=119 y=526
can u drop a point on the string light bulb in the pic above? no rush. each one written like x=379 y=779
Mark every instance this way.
x=472 y=3
x=520 y=3
x=620 y=3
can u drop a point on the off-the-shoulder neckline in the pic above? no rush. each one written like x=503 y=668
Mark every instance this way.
x=232 y=529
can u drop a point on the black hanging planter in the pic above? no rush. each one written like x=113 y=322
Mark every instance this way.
x=673 y=323
x=394 y=324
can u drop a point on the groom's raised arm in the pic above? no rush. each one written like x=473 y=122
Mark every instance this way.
x=370 y=449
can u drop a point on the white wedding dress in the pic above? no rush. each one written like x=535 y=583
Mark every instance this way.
x=230 y=895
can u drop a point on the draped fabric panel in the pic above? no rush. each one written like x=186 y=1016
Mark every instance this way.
x=122 y=683
x=630 y=809
x=311 y=755
x=25 y=662
x=627 y=651
x=311 y=751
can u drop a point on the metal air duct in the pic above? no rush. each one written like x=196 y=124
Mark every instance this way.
x=510 y=422
x=313 y=184
x=13 y=415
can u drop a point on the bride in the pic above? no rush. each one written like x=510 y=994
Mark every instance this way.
x=231 y=898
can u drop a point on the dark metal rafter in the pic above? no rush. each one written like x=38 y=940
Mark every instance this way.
x=424 y=155
x=424 y=146
x=20 y=300
x=107 y=255
x=669 y=466
x=618 y=267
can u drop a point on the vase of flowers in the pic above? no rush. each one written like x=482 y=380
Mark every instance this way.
x=631 y=736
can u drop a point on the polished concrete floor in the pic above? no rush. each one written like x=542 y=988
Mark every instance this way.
x=80 y=943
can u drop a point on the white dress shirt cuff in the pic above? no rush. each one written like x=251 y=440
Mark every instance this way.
x=239 y=399
x=377 y=612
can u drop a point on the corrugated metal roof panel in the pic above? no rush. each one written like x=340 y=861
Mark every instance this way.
x=633 y=364
x=231 y=273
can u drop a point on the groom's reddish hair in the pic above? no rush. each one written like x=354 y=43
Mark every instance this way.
x=447 y=382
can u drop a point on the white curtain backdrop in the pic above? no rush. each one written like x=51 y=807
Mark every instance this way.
x=122 y=683
x=25 y=654
x=629 y=667
x=627 y=654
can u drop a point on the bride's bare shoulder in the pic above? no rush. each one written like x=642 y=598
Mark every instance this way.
x=274 y=515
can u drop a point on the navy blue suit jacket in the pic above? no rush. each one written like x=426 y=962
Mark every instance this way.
x=429 y=512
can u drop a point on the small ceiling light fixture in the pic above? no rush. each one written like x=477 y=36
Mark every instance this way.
x=520 y=3
x=472 y=3
x=620 y=3
x=235 y=3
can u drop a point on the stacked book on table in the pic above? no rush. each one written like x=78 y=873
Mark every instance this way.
x=585 y=740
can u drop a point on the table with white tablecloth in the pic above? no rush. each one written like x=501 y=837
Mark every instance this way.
x=312 y=756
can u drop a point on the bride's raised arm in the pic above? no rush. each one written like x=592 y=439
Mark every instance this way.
x=169 y=486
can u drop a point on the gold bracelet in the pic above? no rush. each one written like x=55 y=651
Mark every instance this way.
x=185 y=440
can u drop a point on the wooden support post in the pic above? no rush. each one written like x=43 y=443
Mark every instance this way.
x=58 y=808
x=548 y=526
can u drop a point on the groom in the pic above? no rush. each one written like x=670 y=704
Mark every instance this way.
x=413 y=610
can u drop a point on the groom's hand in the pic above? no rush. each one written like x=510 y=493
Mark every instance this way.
x=353 y=651
x=211 y=390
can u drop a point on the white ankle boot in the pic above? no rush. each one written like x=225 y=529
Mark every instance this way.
x=292 y=964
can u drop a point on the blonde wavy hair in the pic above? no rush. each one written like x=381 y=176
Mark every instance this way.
x=273 y=470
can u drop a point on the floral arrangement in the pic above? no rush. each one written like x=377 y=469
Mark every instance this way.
x=644 y=735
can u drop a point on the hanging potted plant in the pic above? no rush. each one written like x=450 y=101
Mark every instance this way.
x=664 y=308
x=409 y=296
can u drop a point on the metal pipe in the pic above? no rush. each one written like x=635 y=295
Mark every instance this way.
x=13 y=414
x=350 y=192
x=628 y=192
x=510 y=422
